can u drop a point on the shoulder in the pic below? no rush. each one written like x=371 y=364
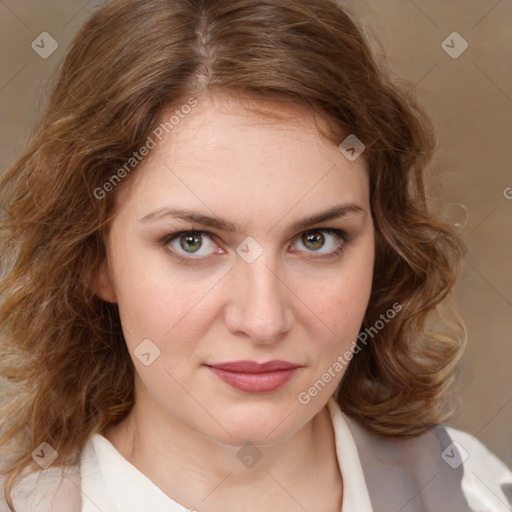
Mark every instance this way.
x=487 y=481
x=444 y=467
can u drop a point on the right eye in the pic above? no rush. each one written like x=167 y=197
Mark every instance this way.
x=187 y=243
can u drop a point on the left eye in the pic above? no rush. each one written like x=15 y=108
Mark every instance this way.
x=316 y=240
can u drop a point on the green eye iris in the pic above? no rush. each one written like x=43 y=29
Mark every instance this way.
x=191 y=243
x=313 y=241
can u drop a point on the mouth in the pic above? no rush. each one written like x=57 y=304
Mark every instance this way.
x=253 y=377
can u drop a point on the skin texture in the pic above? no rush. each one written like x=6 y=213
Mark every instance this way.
x=297 y=301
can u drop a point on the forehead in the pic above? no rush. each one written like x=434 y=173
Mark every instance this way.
x=223 y=150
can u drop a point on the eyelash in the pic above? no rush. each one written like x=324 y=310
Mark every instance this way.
x=345 y=240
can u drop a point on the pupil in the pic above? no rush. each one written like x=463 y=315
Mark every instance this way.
x=316 y=240
x=190 y=243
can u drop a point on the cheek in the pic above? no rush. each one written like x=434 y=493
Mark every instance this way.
x=144 y=288
x=172 y=309
x=342 y=301
x=151 y=307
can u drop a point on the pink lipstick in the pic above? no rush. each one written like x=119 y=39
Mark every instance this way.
x=253 y=377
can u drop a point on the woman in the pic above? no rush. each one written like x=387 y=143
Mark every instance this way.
x=218 y=267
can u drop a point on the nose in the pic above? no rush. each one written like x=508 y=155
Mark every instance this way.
x=260 y=304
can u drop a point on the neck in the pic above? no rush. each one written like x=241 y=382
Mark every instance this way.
x=196 y=471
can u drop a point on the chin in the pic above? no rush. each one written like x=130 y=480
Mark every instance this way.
x=258 y=420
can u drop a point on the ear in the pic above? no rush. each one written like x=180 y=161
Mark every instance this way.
x=102 y=284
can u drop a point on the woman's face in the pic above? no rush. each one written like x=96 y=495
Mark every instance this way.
x=253 y=281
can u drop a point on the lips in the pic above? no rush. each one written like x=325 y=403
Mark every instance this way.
x=253 y=367
x=253 y=377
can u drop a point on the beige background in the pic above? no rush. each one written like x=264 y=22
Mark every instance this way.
x=470 y=101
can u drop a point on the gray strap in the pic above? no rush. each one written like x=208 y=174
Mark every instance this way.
x=409 y=475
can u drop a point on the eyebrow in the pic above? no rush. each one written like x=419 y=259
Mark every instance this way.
x=335 y=212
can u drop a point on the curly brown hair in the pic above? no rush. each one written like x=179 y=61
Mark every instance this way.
x=65 y=367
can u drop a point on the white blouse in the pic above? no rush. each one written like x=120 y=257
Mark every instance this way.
x=105 y=481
